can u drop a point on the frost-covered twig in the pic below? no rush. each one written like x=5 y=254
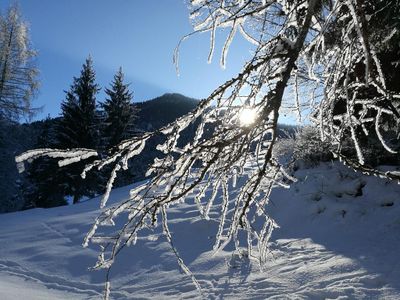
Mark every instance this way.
x=237 y=124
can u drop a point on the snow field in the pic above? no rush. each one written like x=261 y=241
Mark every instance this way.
x=339 y=238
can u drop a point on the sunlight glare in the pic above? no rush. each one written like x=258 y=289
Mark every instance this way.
x=247 y=116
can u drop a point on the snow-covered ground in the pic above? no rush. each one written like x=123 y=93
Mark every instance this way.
x=339 y=238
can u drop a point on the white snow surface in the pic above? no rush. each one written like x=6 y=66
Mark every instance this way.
x=333 y=243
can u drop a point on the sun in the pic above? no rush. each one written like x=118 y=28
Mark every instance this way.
x=247 y=116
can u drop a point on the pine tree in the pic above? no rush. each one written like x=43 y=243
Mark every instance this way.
x=18 y=73
x=79 y=124
x=78 y=128
x=43 y=186
x=119 y=112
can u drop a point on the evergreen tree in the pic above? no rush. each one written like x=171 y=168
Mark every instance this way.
x=78 y=128
x=43 y=185
x=119 y=112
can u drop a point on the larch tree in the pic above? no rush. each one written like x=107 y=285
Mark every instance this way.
x=319 y=51
x=18 y=72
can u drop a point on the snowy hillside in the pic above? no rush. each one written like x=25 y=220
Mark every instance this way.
x=339 y=238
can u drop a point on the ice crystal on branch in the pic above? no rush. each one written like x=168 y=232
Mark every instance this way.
x=294 y=47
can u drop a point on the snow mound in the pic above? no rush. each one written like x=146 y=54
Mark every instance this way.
x=339 y=238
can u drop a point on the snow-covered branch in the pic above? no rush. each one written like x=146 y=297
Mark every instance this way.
x=302 y=42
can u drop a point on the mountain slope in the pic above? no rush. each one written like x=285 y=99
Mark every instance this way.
x=162 y=110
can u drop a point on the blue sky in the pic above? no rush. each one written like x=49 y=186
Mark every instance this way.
x=139 y=35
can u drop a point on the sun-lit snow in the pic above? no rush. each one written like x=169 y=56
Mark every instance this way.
x=339 y=238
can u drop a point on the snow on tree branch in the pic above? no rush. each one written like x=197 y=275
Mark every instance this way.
x=68 y=156
x=324 y=44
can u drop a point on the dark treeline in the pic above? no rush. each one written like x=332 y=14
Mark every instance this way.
x=45 y=184
x=84 y=122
